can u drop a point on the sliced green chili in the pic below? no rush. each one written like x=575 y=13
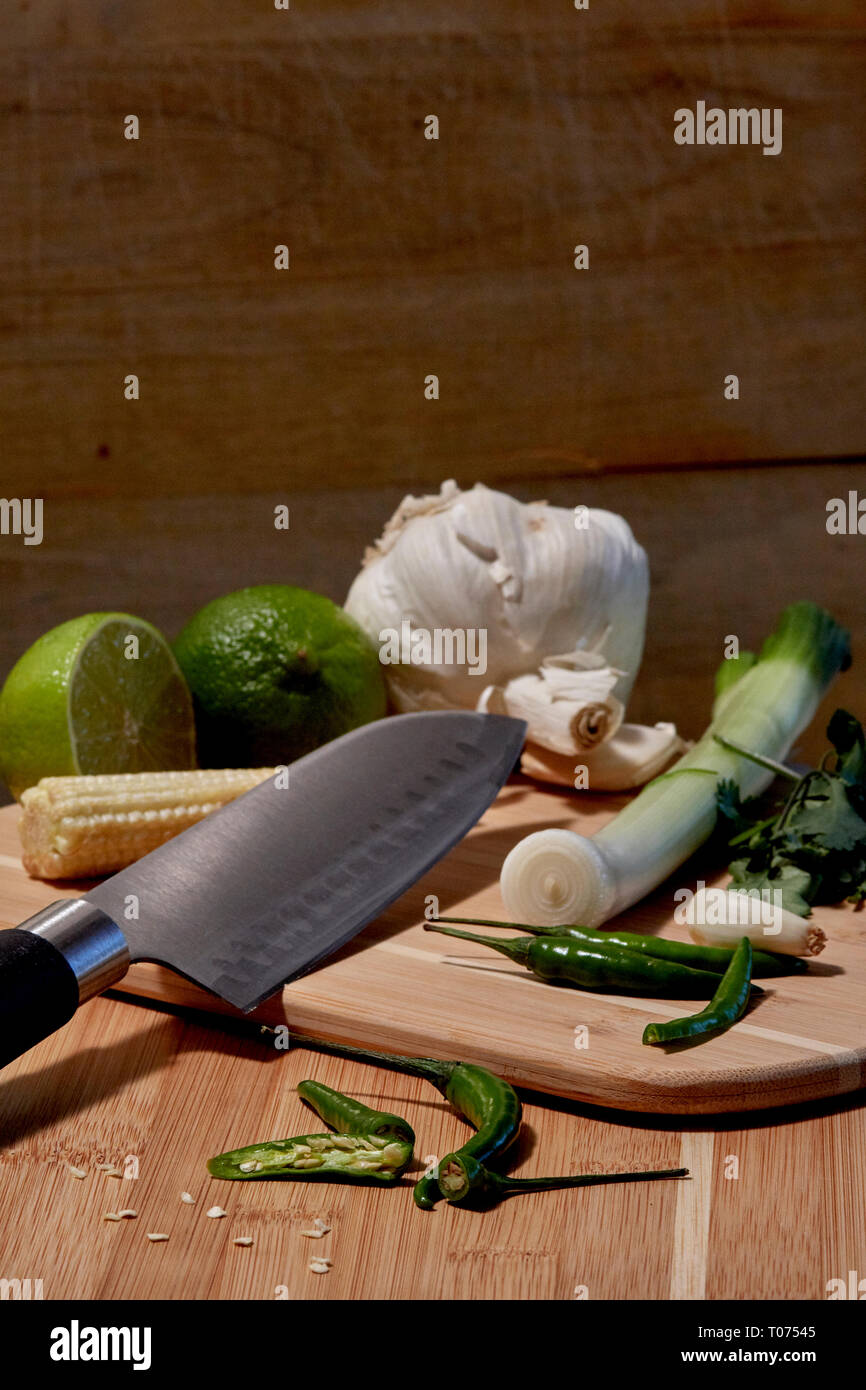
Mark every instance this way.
x=318 y=1157
x=726 y=1006
x=571 y=961
x=463 y=1180
x=714 y=958
x=350 y=1116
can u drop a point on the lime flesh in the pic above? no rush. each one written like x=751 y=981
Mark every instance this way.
x=101 y=693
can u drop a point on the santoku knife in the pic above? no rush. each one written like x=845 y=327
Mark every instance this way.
x=267 y=886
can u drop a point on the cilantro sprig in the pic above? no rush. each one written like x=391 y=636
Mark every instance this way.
x=812 y=848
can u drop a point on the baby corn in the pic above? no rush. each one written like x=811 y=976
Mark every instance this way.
x=82 y=827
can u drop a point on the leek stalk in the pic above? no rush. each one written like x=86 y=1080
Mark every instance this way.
x=555 y=877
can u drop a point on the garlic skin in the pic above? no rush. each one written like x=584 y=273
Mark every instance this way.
x=630 y=758
x=560 y=597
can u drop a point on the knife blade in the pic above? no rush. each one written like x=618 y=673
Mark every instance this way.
x=263 y=889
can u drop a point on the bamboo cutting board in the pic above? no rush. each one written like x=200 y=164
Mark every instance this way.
x=399 y=988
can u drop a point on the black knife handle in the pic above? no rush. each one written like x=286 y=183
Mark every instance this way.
x=51 y=964
x=38 y=991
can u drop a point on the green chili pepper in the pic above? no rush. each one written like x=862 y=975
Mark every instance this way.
x=463 y=1180
x=490 y=1105
x=567 y=960
x=493 y=1109
x=714 y=958
x=726 y=1006
x=318 y=1158
x=371 y=1146
x=351 y=1117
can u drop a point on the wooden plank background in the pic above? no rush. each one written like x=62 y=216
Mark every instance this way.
x=412 y=256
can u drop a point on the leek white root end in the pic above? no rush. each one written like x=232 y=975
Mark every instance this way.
x=556 y=876
x=717 y=917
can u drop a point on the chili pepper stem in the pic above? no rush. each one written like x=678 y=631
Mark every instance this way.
x=507 y=1185
x=463 y=1179
x=428 y=1068
x=515 y=926
x=516 y=947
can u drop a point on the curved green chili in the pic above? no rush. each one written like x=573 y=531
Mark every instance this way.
x=726 y=1006
x=317 y=1158
x=493 y=1109
x=464 y=1180
x=490 y=1104
x=714 y=958
x=350 y=1116
x=570 y=961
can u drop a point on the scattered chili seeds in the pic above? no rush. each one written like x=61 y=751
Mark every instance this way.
x=242 y=1240
x=157 y=1235
x=188 y=1198
x=77 y=1172
x=320 y=1228
x=217 y=1211
x=320 y=1266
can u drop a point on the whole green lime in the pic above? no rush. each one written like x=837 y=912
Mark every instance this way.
x=275 y=672
x=100 y=693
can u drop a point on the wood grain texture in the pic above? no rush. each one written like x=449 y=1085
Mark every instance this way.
x=412 y=256
x=123 y=1082
x=400 y=988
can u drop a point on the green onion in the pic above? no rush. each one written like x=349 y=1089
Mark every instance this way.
x=556 y=876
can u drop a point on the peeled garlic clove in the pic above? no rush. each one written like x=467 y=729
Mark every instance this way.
x=568 y=711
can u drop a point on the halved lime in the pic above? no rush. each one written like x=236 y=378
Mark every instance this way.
x=101 y=693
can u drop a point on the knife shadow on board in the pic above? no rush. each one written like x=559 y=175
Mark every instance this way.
x=35 y=1100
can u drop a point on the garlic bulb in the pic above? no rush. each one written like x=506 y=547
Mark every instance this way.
x=479 y=601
